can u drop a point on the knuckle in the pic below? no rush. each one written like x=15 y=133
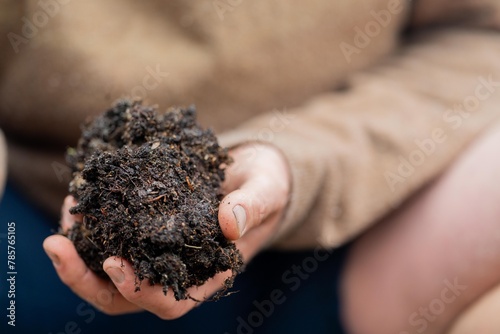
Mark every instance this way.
x=69 y=279
x=73 y=279
x=130 y=294
x=140 y=298
x=73 y=273
x=106 y=303
x=261 y=210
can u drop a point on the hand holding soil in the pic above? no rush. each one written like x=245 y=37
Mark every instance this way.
x=257 y=192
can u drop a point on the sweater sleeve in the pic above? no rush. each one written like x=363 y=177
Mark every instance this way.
x=357 y=154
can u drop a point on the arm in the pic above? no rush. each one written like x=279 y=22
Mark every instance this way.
x=356 y=155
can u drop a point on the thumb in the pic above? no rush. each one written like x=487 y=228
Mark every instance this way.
x=263 y=191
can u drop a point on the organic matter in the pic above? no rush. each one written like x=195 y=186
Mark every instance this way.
x=148 y=186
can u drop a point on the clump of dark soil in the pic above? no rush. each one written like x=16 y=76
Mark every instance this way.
x=148 y=187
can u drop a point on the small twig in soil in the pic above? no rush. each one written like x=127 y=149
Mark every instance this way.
x=156 y=198
x=195 y=247
x=93 y=243
x=190 y=185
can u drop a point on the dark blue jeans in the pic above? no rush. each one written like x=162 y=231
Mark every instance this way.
x=280 y=292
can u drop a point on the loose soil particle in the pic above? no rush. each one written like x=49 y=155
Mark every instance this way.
x=148 y=185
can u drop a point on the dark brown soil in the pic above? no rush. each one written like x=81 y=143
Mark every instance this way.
x=148 y=186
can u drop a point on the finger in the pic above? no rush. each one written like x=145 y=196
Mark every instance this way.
x=67 y=219
x=151 y=297
x=244 y=157
x=86 y=284
x=257 y=199
x=255 y=239
x=259 y=188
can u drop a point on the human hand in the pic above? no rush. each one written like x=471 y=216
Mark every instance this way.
x=257 y=191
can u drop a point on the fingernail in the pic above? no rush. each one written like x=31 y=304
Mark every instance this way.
x=116 y=274
x=241 y=218
x=54 y=258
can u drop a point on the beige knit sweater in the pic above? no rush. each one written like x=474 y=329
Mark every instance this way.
x=365 y=114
